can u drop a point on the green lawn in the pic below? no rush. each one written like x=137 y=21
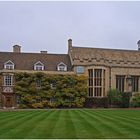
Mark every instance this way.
x=80 y=123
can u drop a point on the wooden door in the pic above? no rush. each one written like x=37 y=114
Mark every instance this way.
x=8 y=101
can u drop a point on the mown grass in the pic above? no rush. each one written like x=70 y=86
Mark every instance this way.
x=80 y=123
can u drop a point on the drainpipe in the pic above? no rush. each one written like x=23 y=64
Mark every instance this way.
x=110 y=78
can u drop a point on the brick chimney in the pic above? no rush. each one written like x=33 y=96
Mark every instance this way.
x=69 y=44
x=44 y=52
x=138 y=45
x=16 y=49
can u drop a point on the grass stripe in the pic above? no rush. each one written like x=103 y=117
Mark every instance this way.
x=8 y=127
x=44 y=126
x=103 y=125
x=67 y=126
x=130 y=115
x=123 y=119
x=70 y=122
x=122 y=126
x=64 y=127
x=126 y=119
x=78 y=123
x=7 y=114
x=84 y=128
x=59 y=129
x=12 y=118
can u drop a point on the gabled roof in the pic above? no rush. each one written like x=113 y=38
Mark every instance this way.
x=61 y=64
x=26 y=61
x=9 y=62
x=107 y=57
x=39 y=63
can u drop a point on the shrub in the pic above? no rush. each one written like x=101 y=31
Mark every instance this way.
x=96 y=102
x=135 y=101
x=89 y=103
x=79 y=102
x=37 y=105
x=114 y=98
x=119 y=99
x=126 y=99
x=23 y=106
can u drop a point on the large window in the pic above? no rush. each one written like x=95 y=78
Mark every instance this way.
x=96 y=82
x=120 y=82
x=135 y=83
x=8 y=80
x=99 y=82
x=90 y=82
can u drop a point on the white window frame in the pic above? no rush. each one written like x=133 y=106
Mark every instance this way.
x=62 y=68
x=38 y=66
x=9 y=66
x=8 y=80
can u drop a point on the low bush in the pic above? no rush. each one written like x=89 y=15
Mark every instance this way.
x=23 y=106
x=126 y=99
x=114 y=98
x=37 y=105
x=135 y=101
x=119 y=99
x=96 y=102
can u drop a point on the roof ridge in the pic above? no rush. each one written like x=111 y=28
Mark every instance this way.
x=110 y=49
x=34 y=53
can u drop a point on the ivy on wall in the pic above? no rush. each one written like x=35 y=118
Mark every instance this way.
x=40 y=90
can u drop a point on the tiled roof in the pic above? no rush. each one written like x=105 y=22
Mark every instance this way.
x=26 y=61
x=107 y=57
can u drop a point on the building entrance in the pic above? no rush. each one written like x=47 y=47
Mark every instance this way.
x=8 y=102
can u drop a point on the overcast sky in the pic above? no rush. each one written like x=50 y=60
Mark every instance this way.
x=48 y=25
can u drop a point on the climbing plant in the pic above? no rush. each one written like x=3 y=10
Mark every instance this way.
x=40 y=90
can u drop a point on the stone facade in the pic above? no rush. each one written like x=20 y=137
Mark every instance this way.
x=119 y=69
x=105 y=69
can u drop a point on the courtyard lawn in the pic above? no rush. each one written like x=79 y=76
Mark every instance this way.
x=77 y=123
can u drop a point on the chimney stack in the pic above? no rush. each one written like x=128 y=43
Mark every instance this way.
x=44 y=52
x=69 y=44
x=138 y=45
x=16 y=48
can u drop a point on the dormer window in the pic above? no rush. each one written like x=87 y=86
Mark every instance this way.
x=38 y=66
x=62 y=67
x=9 y=65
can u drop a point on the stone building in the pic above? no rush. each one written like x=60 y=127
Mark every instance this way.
x=105 y=68
x=17 y=61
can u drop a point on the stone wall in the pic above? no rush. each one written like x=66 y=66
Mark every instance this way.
x=123 y=71
x=110 y=75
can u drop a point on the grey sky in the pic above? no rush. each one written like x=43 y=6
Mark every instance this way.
x=48 y=25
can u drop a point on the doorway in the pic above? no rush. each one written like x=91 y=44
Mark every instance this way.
x=8 y=101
